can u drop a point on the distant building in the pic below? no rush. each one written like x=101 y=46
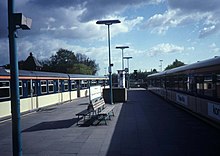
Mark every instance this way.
x=31 y=63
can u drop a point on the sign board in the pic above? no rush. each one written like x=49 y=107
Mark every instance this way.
x=214 y=110
x=95 y=92
x=182 y=99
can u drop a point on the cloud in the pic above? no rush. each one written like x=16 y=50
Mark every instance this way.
x=58 y=24
x=213 y=47
x=206 y=31
x=69 y=20
x=187 y=12
x=195 y=5
x=191 y=48
x=165 y=48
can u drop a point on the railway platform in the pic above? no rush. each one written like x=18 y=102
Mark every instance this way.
x=145 y=125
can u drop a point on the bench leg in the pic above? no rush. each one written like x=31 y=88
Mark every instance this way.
x=78 y=121
x=105 y=121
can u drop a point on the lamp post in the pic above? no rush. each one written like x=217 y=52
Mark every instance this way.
x=128 y=57
x=122 y=55
x=15 y=21
x=108 y=23
x=161 y=65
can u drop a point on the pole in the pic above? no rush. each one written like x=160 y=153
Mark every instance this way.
x=14 y=83
x=110 y=67
x=128 y=75
x=161 y=65
x=122 y=59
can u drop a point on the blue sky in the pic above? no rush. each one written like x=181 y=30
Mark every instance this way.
x=153 y=29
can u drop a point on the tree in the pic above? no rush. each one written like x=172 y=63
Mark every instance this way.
x=62 y=60
x=80 y=69
x=175 y=64
x=83 y=59
x=66 y=61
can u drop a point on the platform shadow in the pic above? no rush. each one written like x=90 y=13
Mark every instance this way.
x=60 y=124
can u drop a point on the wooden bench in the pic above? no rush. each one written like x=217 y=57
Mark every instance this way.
x=97 y=107
x=102 y=110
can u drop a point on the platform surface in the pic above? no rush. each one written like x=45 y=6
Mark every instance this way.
x=145 y=125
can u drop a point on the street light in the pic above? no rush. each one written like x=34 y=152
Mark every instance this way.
x=108 y=23
x=128 y=81
x=122 y=54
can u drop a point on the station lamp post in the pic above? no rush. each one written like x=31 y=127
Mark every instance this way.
x=161 y=65
x=108 y=23
x=122 y=54
x=128 y=78
x=15 y=21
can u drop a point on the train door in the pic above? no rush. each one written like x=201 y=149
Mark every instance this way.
x=78 y=88
x=32 y=93
x=60 y=90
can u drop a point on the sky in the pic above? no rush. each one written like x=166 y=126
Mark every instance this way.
x=154 y=30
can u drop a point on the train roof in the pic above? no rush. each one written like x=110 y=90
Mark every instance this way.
x=86 y=77
x=27 y=73
x=200 y=64
x=41 y=74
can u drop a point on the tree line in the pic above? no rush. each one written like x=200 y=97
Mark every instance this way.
x=63 y=61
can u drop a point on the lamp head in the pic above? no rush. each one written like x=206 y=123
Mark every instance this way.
x=108 y=22
x=121 y=47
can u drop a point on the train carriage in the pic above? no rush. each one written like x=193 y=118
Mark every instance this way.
x=41 y=89
x=195 y=87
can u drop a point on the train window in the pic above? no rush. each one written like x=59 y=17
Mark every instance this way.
x=191 y=86
x=184 y=83
x=4 y=89
x=208 y=86
x=56 y=85
x=43 y=86
x=20 y=88
x=65 y=85
x=176 y=83
x=93 y=82
x=199 y=85
x=50 y=86
x=168 y=82
x=73 y=85
x=84 y=84
x=101 y=82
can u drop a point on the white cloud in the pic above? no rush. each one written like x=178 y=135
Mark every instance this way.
x=204 y=15
x=207 y=31
x=191 y=48
x=213 y=47
x=165 y=48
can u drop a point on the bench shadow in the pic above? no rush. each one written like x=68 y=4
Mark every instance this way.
x=60 y=124
x=88 y=122
x=82 y=104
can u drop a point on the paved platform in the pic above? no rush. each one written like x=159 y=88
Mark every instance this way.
x=145 y=125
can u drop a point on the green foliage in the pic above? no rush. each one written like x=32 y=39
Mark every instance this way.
x=66 y=61
x=139 y=75
x=175 y=64
x=80 y=69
